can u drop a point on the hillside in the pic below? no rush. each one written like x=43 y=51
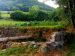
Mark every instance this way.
x=24 y=5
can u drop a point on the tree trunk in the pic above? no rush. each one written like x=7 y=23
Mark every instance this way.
x=73 y=20
x=72 y=6
x=14 y=38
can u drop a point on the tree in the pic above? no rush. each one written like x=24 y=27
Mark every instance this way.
x=42 y=15
x=69 y=9
x=34 y=11
x=17 y=15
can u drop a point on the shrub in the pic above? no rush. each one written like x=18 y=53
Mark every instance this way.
x=34 y=14
x=33 y=11
x=20 y=16
x=27 y=16
x=42 y=15
x=17 y=15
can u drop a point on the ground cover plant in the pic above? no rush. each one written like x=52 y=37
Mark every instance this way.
x=33 y=24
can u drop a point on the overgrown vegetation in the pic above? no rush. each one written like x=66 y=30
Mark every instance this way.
x=33 y=24
x=35 y=14
x=19 y=50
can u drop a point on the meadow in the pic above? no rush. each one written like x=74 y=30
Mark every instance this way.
x=19 y=50
x=33 y=24
x=6 y=21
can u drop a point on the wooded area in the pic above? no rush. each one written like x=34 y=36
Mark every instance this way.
x=69 y=9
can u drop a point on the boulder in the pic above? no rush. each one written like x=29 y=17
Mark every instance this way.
x=57 y=40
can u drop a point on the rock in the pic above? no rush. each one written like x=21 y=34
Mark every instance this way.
x=33 y=42
x=35 y=46
x=25 y=43
x=4 y=50
x=44 y=48
x=57 y=40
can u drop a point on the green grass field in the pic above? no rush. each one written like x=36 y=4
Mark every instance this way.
x=19 y=50
x=7 y=22
x=33 y=24
x=5 y=15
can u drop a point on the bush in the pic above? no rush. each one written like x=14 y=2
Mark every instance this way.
x=20 y=16
x=27 y=16
x=34 y=15
x=41 y=16
x=17 y=15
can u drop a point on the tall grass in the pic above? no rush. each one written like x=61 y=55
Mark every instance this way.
x=19 y=51
x=33 y=24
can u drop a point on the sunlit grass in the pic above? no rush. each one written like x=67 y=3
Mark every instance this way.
x=5 y=15
x=19 y=51
x=10 y=23
x=31 y=24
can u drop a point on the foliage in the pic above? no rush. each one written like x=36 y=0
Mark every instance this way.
x=33 y=24
x=54 y=15
x=35 y=14
x=5 y=16
x=18 y=15
x=69 y=9
x=19 y=50
x=71 y=41
x=33 y=11
x=71 y=44
x=42 y=15
x=23 y=5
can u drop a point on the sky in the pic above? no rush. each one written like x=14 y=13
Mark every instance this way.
x=50 y=3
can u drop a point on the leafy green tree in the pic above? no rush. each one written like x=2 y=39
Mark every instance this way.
x=42 y=15
x=34 y=11
x=69 y=9
x=54 y=15
x=20 y=15
x=17 y=15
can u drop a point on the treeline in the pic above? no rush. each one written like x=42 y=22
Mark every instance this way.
x=35 y=14
x=24 y=5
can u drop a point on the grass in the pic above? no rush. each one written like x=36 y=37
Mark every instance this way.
x=5 y=15
x=7 y=22
x=10 y=23
x=32 y=24
x=12 y=51
x=19 y=51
